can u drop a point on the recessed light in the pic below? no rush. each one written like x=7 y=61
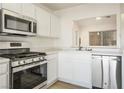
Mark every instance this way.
x=98 y=18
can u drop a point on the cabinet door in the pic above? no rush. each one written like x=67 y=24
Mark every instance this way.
x=16 y=7
x=65 y=66
x=55 y=26
x=75 y=68
x=4 y=68
x=4 y=81
x=52 y=70
x=43 y=20
x=28 y=10
x=82 y=69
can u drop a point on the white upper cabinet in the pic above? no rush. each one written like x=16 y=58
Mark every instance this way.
x=28 y=9
x=43 y=21
x=48 y=24
x=55 y=26
x=15 y=7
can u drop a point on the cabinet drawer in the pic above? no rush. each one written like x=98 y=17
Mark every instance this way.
x=4 y=81
x=4 y=68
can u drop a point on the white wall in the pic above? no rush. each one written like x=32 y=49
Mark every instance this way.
x=80 y=12
x=77 y=31
x=122 y=39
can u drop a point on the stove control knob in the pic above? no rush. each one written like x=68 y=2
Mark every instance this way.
x=24 y=62
x=21 y=62
x=28 y=61
x=36 y=59
x=41 y=58
x=14 y=64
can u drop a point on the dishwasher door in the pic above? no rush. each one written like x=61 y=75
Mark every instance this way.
x=115 y=73
x=97 y=77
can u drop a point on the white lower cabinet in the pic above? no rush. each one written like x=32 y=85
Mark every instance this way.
x=75 y=67
x=4 y=73
x=52 y=68
x=4 y=81
x=65 y=66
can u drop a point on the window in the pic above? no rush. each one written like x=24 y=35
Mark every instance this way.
x=103 y=38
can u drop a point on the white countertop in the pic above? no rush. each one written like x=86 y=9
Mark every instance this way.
x=115 y=52
x=47 y=50
x=107 y=53
x=2 y=60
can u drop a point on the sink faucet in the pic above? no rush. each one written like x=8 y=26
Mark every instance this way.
x=79 y=44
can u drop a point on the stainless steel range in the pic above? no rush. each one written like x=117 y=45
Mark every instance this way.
x=28 y=69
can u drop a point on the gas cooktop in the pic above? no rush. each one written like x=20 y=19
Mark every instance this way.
x=23 y=55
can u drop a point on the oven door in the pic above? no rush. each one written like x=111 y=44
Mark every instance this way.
x=14 y=23
x=30 y=78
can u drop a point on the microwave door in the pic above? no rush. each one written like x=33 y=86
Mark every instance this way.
x=15 y=23
x=10 y=24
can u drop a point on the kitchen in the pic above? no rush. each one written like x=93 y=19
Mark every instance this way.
x=42 y=44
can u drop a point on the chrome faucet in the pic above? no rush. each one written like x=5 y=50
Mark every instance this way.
x=80 y=48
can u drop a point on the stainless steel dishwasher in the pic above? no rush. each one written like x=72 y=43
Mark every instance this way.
x=106 y=72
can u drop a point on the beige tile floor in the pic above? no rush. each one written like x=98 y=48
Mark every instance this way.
x=63 y=85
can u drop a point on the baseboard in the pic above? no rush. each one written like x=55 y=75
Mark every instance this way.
x=83 y=84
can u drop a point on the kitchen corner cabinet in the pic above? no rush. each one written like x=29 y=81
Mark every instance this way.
x=55 y=26
x=75 y=67
x=28 y=9
x=43 y=22
x=52 y=68
x=15 y=7
x=4 y=74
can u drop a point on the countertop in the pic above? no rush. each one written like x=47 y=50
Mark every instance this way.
x=100 y=51
x=107 y=53
x=115 y=52
x=48 y=51
x=2 y=60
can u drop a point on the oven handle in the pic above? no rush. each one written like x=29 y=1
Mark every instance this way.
x=17 y=69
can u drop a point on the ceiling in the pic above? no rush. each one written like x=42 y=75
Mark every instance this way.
x=59 y=6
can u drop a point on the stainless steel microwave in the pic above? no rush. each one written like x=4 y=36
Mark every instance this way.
x=17 y=24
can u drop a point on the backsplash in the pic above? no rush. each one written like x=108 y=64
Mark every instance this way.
x=34 y=42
